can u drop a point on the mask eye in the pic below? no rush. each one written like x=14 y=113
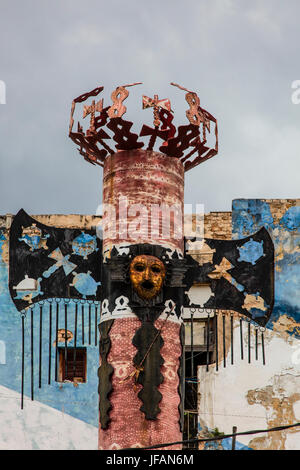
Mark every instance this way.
x=139 y=267
x=155 y=269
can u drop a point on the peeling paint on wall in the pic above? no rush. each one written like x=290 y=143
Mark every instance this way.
x=278 y=400
x=252 y=396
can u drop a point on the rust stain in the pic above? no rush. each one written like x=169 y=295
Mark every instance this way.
x=279 y=207
x=286 y=325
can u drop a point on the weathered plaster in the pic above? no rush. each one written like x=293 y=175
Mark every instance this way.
x=252 y=396
x=41 y=427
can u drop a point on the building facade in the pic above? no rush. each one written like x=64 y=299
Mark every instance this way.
x=248 y=378
x=248 y=394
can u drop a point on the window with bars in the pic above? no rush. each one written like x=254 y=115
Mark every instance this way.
x=199 y=351
x=72 y=365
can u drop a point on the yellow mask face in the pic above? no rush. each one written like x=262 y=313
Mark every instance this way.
x=147 y=274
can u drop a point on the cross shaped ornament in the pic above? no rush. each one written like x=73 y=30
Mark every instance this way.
x=92 y=109
x=155 y=103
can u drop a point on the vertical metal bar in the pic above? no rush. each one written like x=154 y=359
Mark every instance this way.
x=216 y=340
x=31 y=358
x=241 y=338
x=195 y=428
x=96 y=324
x=66 y=340
x=75 y=341
x=207 y=342
x=56 y=340
x=188 y=418
x=224 y=342
x=50 y=339
x=234 y=431
x=249 y=342
x=231 y=337
x=90 y=322
x=263 y=348
x=82 y=322
x=256 y=344
x=23 y=368
x=40 y=346
x=192 y=345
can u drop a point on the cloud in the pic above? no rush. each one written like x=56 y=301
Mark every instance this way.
x=90 y=35
x=240 y=57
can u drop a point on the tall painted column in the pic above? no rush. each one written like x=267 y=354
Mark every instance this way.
x=142 y=182
x=142 y=276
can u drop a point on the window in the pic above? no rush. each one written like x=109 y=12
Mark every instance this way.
x=198 y=341
x=72 y=365
x=198 y=332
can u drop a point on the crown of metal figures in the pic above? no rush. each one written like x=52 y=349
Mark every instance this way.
x=187 y=143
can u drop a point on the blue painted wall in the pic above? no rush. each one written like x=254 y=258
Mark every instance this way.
x=248 y=216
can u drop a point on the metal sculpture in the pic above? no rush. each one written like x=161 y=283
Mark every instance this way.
x=92 y=142
x=142 y=279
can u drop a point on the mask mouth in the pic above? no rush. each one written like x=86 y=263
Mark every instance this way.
x=147 y=285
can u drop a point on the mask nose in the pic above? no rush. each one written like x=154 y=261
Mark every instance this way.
x=147 y=275
x=147 y=282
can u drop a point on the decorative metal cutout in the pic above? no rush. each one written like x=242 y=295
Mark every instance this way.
x=93 y=146
x=92 y=110
x=156 y=104
x=125 y=139
x=177 y=145
x=118 y=96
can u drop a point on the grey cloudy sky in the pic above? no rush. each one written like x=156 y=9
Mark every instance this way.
x=241 y=57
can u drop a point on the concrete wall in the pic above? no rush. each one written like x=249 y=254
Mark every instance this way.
x=254 y=396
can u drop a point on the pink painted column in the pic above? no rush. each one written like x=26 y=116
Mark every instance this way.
x=150 y=179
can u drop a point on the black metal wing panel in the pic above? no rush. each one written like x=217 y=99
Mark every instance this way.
x=49 y=262
x=240 y=274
